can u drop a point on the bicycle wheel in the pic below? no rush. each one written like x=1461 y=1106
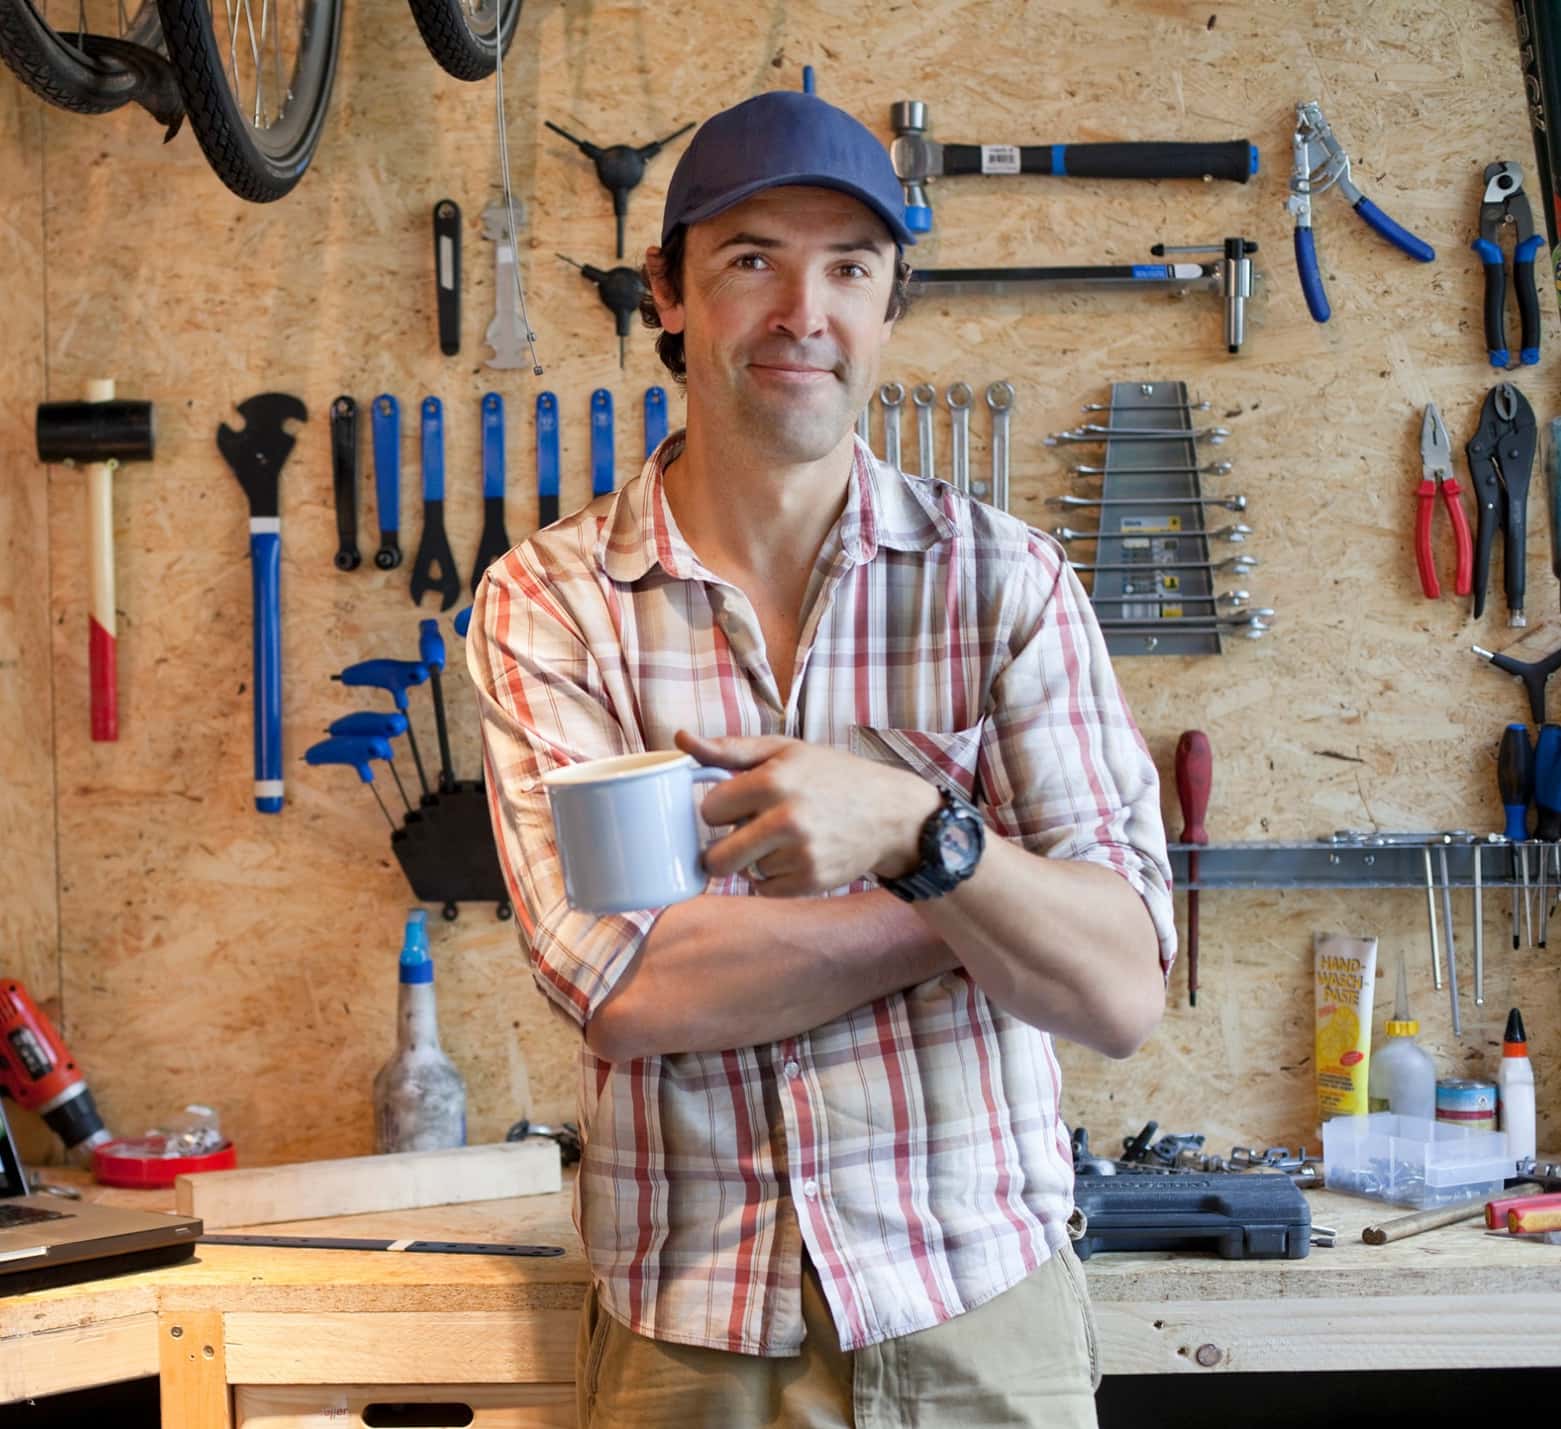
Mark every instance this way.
x=256 y=79
x=459 y=33
x=57 y=60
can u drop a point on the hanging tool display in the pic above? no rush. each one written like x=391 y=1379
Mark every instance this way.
x=37 y=1071
x=378 y=724
x=256 y=454
x=101 y=434
x=1436 y=466
x=385 y=427
x=344 y=481
x=602 y=458
x=1194 y=779
x=1506 y=205
x=1501 y=459
x=620 y=167
x=447 y=274
x=655 y=419
x=1319 y=164
x=918 y=160
x=547 y=459
x=620 y=290
x=507 y=334
x=495 y=542
x=1231 y=276
x=434 y=569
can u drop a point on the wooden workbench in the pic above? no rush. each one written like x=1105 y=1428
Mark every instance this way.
x=283 y=1338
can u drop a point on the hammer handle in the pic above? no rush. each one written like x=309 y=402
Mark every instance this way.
x=102 y=635
x=1234 y=159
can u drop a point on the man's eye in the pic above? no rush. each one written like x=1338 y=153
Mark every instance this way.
x=751 y=261
x=853 y=270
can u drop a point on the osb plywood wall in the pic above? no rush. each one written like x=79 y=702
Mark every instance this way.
x=196 y=950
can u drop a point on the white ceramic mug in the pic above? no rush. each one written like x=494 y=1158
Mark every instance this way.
x=627 y=832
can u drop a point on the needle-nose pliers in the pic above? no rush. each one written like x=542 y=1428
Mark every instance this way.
x=1506 y=203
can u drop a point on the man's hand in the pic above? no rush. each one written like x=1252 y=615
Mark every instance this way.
x=810 y=818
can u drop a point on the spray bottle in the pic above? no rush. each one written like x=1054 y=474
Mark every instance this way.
x=1515 y=1089
x=1403 y=1075
x=419 y=1096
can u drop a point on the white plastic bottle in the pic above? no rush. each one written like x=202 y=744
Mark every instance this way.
x=1403 y=1075
x=419 y=1096
x=1515 y=1090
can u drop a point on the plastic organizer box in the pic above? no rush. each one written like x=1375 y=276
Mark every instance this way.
x=1411 y=1161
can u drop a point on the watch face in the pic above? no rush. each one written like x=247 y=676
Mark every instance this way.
x=959 y=843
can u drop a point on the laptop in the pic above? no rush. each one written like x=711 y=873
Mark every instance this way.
x=49 y=1240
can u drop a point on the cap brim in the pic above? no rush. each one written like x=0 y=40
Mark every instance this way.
x=894 y=222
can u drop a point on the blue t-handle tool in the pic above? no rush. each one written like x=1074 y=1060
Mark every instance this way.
x=495 y=540
x=396 y=677
x=601 y=442
x=381 y=724
x=655 y=419
x=385 y=424
x=354 y=751
x=547 y=459
x=430 y=650
x=463 y=620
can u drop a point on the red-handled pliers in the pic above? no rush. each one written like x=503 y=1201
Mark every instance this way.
x=1436 y=460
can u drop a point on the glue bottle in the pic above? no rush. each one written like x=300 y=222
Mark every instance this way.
x=1515 y=1090
x=419 y=1096
x=1403 y=1075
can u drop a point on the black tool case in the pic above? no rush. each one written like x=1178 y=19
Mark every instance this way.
x=1237 y=1215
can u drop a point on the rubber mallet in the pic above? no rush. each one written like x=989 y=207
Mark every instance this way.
x=98 y=433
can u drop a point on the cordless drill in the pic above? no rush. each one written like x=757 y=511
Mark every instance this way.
x=39 y=1073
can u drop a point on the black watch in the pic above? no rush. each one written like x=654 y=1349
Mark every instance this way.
x=950 y=847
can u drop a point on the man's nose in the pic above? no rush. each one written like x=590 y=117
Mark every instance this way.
x=800 y=305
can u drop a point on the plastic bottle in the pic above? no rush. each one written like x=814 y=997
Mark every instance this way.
x=1515 y=1090
x=419 y=1096
x=1403 y=1074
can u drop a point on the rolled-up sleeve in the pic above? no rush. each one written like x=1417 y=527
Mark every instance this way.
x=543 y=706
x=1064 y=768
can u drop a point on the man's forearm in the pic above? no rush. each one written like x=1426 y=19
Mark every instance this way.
x=718 y=972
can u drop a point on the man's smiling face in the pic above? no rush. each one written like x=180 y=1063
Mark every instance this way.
x=782 y=316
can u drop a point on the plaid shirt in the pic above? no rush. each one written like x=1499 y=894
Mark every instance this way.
x=915 y=1145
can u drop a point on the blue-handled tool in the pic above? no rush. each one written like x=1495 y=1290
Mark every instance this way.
x=430 y=650
x=395 y=677
x=547 y=459
x=434 y=569
x=381 y=724
x=655 y=419
x=256 y=454
x=1505 y=203
x=1515 y=780
x=601 y=442
x=385 y=424
x=354 y=751
x=495 y=540
x=463 y=620
x=1547 y=805
x=1319 y=163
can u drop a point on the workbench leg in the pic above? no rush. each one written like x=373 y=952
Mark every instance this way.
x=193 y=1370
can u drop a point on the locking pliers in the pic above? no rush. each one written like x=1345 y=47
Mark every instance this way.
x=1504 y=203
x=1319 y=164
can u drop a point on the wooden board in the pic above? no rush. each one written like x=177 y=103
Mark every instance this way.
x=359 y=1184
x=510 y=1406
x=207 y=953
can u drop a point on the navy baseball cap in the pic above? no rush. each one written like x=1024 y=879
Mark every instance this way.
x=779 y=139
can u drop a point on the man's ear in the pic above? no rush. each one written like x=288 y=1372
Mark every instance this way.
x=669 y=307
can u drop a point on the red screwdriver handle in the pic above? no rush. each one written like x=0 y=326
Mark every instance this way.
x=1463 y=545
x=1194 y=776
x=1424 y=557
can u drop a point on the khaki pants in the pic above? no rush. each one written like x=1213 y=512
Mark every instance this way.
x=1025 y=1358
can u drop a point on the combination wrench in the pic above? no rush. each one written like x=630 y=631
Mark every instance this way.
x=892 y=396
x=1000 y=401
x=923 y=395
x=958 y=398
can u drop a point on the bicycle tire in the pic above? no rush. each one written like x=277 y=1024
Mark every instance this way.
x=463 y=49
x=260 y=165
x=57 y=71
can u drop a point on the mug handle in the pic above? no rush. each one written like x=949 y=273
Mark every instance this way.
x=708 y=774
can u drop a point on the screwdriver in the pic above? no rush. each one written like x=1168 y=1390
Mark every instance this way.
x=1547 y=799
x=1515 y=778
x=1194 y=776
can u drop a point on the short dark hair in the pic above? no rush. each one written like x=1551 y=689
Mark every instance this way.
x=669 y=345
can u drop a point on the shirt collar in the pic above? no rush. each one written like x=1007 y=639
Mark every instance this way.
x=884 y=507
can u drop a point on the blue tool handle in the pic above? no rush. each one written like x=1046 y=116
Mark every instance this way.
x=547 y=458
x=386 y=425
x=1396 y=235
x=433 y=449
x=394 y=676
x=1495 y=300
x=1528 y=297
x=355 y=751
x=601 y=442
x=1311 y=278
x=430 y=644
x=463 y=620
x=386 y=724
x=265 y=556
x=492 y=446
x=655 y=419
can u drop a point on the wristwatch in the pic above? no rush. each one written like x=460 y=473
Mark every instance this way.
x=950 y=845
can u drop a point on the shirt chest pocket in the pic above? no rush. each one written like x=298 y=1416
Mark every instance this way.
x=948 y=759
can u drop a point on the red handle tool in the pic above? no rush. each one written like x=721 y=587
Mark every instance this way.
x=1194 y=776
x=1436 y=464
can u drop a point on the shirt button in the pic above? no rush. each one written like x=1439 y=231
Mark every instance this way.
x=810 y=1189
x=791 y=1069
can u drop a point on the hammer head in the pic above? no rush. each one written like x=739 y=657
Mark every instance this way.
x=916 y=159
x=86 y=432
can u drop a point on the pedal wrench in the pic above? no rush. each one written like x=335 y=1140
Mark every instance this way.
x=434 y=569
x=495 y=541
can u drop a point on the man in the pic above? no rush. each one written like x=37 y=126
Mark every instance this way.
x=825 y=1179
